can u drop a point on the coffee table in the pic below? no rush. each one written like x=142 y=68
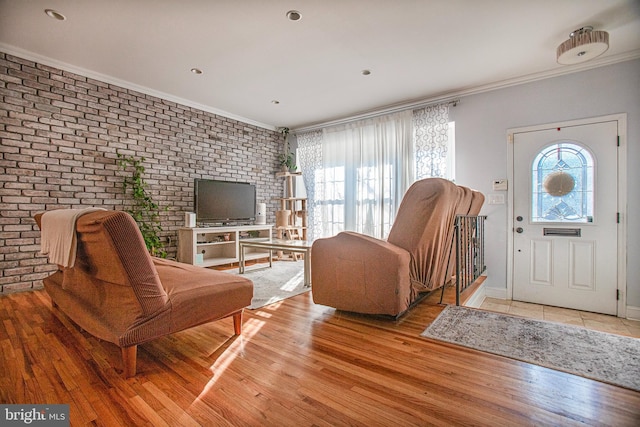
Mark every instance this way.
x=298 y=246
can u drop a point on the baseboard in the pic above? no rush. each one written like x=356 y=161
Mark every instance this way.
x=633 y=313
x=477 y=298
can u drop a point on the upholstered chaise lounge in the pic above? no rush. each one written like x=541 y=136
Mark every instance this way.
x=358 y=273
x=117 y=292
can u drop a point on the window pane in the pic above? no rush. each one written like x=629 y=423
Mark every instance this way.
x=330 y=184
x=562 y=184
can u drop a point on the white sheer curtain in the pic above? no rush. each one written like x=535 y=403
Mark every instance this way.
x=356 y=174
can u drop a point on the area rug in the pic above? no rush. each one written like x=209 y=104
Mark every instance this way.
x=284 y=280
x=600 y=356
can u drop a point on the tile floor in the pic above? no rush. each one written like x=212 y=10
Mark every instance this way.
x=599 y=322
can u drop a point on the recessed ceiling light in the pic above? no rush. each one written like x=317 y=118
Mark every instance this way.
x=275 y=102
x=294 y=15
x=196 y=71
x=55 y=15
x=366 y=72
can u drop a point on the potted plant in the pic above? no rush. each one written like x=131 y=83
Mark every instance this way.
x=287 y=162
x=145 y=211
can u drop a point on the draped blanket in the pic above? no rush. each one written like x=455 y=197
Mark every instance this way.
x=59 y=235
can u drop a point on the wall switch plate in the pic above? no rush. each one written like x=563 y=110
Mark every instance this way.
x=496 y=199
x=500 y=185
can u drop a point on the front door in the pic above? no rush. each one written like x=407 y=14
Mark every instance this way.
x=565 y=217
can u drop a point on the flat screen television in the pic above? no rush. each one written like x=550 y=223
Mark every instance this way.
x=224 y=201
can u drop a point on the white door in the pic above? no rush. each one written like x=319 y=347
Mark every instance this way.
x=565 y=217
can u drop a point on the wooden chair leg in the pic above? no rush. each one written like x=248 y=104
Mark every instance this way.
x=129 y=355
x=237 y=322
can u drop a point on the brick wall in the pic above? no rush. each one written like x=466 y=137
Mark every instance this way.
x=60 y=133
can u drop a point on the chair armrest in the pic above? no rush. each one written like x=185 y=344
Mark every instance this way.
x=354 y=272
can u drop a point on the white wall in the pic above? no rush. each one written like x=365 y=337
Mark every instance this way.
x=482 y=122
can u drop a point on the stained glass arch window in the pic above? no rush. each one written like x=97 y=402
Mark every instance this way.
x=562 y=177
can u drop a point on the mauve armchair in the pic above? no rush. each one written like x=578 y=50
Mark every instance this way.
x=118 y=293
x=358 y=273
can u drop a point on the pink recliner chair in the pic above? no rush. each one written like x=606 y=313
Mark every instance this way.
x=358 y=273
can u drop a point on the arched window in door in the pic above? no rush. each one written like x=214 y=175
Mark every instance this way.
x=562 y=177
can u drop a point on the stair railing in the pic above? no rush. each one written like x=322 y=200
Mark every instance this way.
x=469 y=247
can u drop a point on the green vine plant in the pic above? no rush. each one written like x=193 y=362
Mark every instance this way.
x=286 y=159
x=145 y=211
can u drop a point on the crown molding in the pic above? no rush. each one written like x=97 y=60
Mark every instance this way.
x=443 y=97
x=455 y=95
x=556 y=72
x=45 y=60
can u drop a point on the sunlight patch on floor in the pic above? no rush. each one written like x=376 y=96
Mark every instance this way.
x=249 y=329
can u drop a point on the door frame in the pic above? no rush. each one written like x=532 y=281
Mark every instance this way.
x=622 y=198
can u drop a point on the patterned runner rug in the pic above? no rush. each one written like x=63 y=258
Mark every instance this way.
x=600 y=356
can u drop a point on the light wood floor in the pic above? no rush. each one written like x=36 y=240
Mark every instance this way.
x=296 y=364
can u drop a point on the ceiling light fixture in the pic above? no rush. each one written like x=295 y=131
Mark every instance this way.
x=583 y=45
x=55 y=15
x=366 y=72
x=294 y=15
x=275 y=102
x=196 y=71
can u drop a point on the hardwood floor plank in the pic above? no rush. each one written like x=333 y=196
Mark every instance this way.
x=45 y=386
x=105 y=415
x=170 y=411
x=146 y=411
x=295 y=364
x=84 y=403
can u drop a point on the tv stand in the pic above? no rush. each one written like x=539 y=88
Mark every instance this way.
x=222 y=224
x=220 y=244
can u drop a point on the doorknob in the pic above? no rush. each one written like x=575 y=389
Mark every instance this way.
x=519 y=230
x=518 y=218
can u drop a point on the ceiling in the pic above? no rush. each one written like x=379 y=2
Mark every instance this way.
x=251 y=55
